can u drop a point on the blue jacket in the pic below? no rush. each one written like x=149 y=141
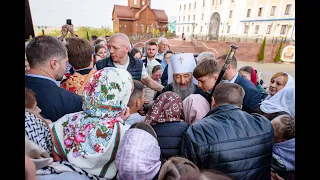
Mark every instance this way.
x=54 y=101
x=169 y=137
x=252 y=96
x=232 y=141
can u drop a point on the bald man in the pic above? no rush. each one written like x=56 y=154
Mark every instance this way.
x=119 y=47
x=205 y=55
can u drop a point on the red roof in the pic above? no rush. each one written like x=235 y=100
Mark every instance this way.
x=161 y=15
x=138 y=13
x=124 y=12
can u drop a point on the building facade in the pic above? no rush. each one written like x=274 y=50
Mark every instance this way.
x=236 y=18
x=138 y=18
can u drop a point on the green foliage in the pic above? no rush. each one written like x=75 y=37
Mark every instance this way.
x=261 y=54
x=278 y=56
x=86 y=32
x=88 y=37
x=155 y=32
x=83 y=32
x=55 y=33
x=168 y=34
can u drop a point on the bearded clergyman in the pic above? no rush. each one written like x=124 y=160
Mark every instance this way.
x=180 y=78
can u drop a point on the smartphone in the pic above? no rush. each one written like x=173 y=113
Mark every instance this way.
x=69 y=21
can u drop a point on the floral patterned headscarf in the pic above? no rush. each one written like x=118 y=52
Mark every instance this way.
x=166 y=108
x=107 y=92
x=90 y=139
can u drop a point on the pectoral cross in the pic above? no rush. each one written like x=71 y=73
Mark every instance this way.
x=180 y=59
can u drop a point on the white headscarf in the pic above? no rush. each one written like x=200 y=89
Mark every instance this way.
x=151 y=65
x=290 y=82
x=284 y=100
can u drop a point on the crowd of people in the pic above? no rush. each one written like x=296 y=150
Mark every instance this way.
x=102 y=109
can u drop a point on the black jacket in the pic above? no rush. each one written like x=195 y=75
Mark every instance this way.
x=231 y=141
x=145 y=62
x=169 y=137
x=164 y=77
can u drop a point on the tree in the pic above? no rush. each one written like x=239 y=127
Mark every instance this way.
x=261 y=54
x=155 y=32
x=88 y=38
x=169 y=34
x=278 y=56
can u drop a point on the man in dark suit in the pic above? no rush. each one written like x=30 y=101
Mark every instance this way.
x=252 y=96
x=48 y=58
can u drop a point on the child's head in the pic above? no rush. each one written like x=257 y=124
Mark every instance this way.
x=175 y=167
x=136 y=100
x=284 y=128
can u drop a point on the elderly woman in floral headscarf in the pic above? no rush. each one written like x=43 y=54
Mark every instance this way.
x=165 y=116
x=90 y=139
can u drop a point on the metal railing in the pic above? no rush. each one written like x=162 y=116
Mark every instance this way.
x=195 y=42
x=255 y=39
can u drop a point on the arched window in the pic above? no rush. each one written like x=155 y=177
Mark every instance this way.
x=135 y=2
x=142 y=2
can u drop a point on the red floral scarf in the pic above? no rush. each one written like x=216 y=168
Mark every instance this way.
x=166 y=108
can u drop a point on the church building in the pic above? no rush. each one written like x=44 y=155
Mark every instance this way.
x=138 y=18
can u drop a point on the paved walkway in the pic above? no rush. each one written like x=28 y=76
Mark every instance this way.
x=268 y=69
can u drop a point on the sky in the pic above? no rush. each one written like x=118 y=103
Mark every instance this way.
x=93 y=13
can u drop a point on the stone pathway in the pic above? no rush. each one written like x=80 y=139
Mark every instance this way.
x=268 y=69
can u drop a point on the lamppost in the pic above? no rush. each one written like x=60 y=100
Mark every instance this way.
x=151 y=28
x=252 y=28
x=193 y=26
x=222 y=24
x=208 y=28
x=274 y=32
x=247 y=30
x=42 y=28
x=105 y=30
x=142 y=29
x=289 y=26
x=137 y=29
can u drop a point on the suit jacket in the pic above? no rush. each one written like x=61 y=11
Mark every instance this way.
x=252 y=96
x=54 y=101
x=164 y=77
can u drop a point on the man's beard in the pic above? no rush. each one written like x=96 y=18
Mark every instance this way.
x=183 y=92
x=150 y=57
